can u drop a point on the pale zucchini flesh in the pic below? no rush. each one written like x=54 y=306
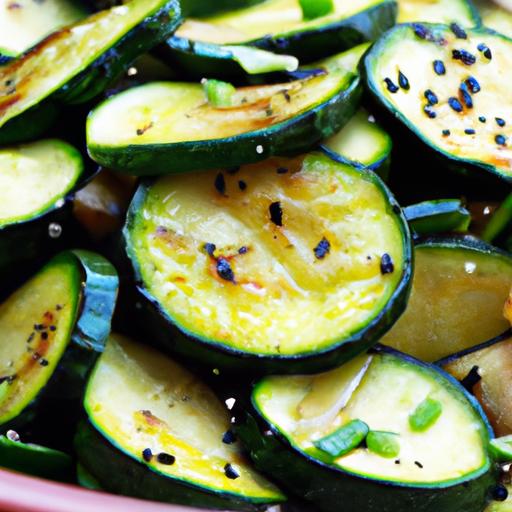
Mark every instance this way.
x=291 y=230
x=36 y=322
x=452 y=449
x=472 y=129
x=438 y=11
x=495 y=16
x=139 y=399
x=270 y=17
x=34 y=177
x=456 y=302
x=27 y=81
x=25 y=22
x=171 y=113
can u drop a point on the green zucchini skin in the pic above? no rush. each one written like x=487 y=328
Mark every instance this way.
x=35 y=460
x=418 y=148
x=327 y=487
x=96 y=77
x=438 y=216
x=307 y=45
x=291 y=137
x=118 y=472
x=65 y=387
x=174 y=339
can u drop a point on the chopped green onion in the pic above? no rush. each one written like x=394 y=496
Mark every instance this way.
x=501 y=449
x=384 y=444
x=425 y=415
x=312 y=9
x=218 y=94
x=343 y=440
x=501 y=219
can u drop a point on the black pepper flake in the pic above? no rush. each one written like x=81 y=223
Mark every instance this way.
x=322 y=249
x=446 y=133
x=276 y=213
x=469 y=131
x=499 y=493
x=403 y=81
x=458 y=31
x=286 y=95
x=419 y=464
x=500 y=122
x=391 y=86
x=166 y=458
x=282 y=170
x=473 y=84
x=31 y=337
x=501 y=140
x=44 y=335
x=431 y=97
x=455 y=104
x=386 y=264
x=465 y=96
x=269 y=112
x=482 y=119
x=397 y=461
x=147 y=454
x=43 y=362
x=464 y=56
x=220 y=183
x=243 y=250
x=485 y=50
x=231 y=472
x=431 y=113
x=224 y=270
x=8 y=378
x=439 y=67
x=58 y=307
x=229 y=437
x=242 y=185
x=471 y=379
x=210 y=249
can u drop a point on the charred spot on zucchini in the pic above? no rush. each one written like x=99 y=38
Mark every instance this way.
x=448 y=463
x=54 y=327
x=95 y=51
x=304 y=261
x=459 y=287
x=187 y=133
x=143 y=438
x=30 y=22
x=486 y=371
x=469 y=89
x=457 y=13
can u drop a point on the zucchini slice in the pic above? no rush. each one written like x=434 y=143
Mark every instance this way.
x=54 y=327
x=439 y=11
x=35 y=460
x=486 y=370
x=37 y=181
x=412 y=459
x=24 y=23
x=361 y=143
x=438 y=216
x=495 y=17
x=95 y=51
x=167 y=127
x=300 y=252
x=453 y=97
x=157 y=432
x=459 y=287
x=279 y=26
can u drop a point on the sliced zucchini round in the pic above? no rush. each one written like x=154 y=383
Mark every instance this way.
x=35 y=460
x=383 y=432
x=90 y=54
x=486 y=371
x=24 y=23
x=439 y=11
x=459 y=287
x=37 y=181
x=54 y=326
x=156 y=432
x=361 y=143
x=451 y=95
x=438 y=216
x=280 y=26
x=167 y=127
x=495 y=17
x=217 y=254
